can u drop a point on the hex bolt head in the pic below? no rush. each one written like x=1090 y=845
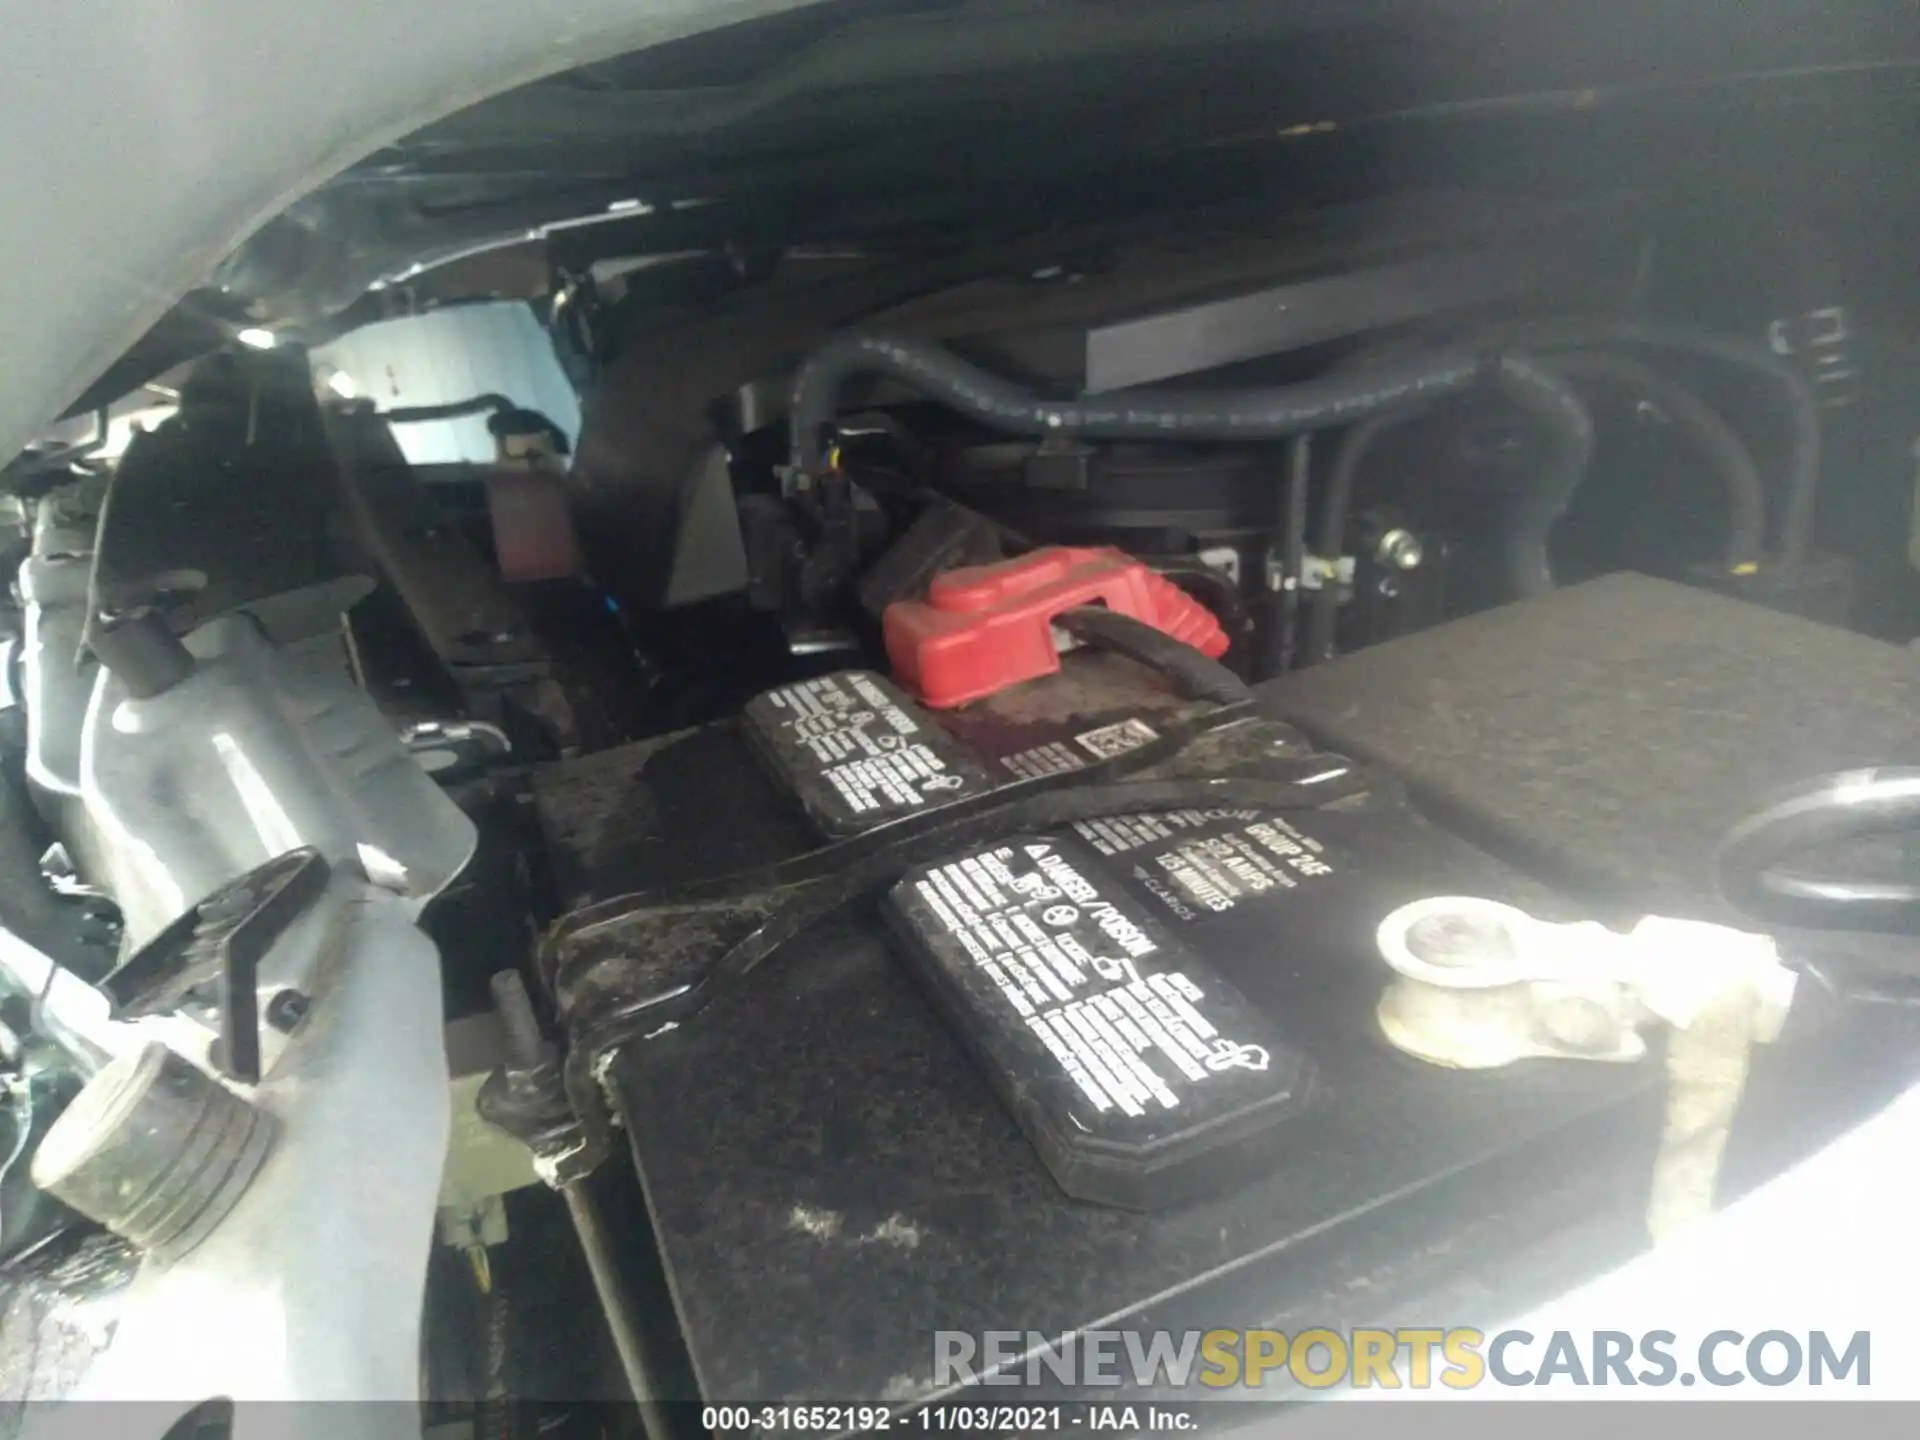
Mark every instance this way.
x=1400 y=549
x=286 y=1010
x=1461 y=941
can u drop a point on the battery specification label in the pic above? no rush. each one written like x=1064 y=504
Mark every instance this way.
x=1207 y=862
x=854 y=750
x=1079 y=751
x=1142 y=1026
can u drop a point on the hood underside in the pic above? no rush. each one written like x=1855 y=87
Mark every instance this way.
x=233 y=166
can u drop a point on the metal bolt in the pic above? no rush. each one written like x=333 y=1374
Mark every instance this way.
x=526 y=1046
x=286 y=1010
x=1400 y=550
x=1460 y=940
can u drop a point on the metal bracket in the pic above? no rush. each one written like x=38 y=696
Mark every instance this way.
x=221 y=940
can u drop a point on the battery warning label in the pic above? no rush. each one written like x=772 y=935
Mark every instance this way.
x=856 y=752
x=1207 y=862
x=1137 y=1029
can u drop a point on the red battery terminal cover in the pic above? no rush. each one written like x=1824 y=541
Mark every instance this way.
x=986 y=627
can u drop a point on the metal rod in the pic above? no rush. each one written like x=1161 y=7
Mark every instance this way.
x=627 y=1342
x=1280 y=640
x=526 y=1046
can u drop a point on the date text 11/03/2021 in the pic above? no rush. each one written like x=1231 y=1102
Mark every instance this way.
x=953 y=1418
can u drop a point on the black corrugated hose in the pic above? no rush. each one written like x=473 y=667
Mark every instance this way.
x=1799 y=407
x=1270 y=413
x=1276 y=412
x=1719 y=446
x=1368 y=401
x=1562 y=417
x=1547 y=399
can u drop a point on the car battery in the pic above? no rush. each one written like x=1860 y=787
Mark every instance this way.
x=952 y=1105
x=883 y=1141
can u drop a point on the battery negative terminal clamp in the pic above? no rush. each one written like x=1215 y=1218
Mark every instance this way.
x=1482 y=984
x=1478 y=984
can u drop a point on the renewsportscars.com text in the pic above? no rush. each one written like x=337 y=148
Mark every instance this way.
x=1406 y=1358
